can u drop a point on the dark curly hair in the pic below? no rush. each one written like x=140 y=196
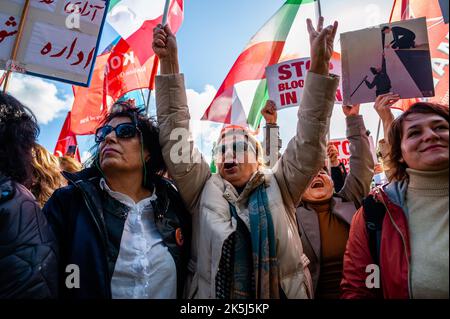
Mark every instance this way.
x=150 y=135
x=398 y=167
x=18 y=133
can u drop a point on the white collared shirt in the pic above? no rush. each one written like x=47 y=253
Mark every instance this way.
x=144 y=268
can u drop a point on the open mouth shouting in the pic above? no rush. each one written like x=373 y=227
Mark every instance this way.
x=230 y=168
x=317 y=184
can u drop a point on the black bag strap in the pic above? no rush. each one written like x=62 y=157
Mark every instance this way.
x=374 y=212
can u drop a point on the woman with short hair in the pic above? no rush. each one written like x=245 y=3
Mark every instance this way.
x=403 y=226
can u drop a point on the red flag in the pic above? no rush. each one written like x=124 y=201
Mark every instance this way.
x=130 y=65
x=438 y=39
x=88 y=107
x=67 y=141
x=132 y=61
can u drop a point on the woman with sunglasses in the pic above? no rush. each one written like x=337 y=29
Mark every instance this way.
x=120 y=223
x=245 y=239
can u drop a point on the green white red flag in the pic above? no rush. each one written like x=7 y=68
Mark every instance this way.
x=243 y=93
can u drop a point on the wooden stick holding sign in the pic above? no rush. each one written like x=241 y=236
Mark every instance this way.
x=16 y=43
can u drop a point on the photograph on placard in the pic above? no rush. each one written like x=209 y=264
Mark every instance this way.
x=393 y=57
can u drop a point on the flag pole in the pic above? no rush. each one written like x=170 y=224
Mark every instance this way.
x=147 y=103
x=156 y=62
x=143 y=96
x=151 y=83
x=166 y=12
x=17 y=42
x=3 y=78
x=378 y=130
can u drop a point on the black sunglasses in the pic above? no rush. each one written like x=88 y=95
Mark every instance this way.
x=124 y=130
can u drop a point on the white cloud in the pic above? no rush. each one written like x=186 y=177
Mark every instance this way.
x=198 y=102
x=204 y=133
x=40 y=96
x=85 y=156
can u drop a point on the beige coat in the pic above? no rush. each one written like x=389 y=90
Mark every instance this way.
x=207 y=196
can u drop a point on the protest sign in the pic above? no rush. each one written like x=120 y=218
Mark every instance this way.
x=285 y=81
x=392 y=57
x=59 y=38
x=343 y=147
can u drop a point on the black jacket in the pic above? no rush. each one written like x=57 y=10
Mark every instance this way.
x=28 y=264
x=89 y=223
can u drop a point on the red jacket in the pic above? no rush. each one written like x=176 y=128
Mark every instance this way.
x=395 y=253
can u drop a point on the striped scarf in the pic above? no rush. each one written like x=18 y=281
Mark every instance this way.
x=255 y=266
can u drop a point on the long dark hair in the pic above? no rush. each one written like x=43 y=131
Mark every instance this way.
x=150 y=137
x=396 y=134
x=18 y=133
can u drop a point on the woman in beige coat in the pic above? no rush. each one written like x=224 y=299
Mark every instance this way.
x=245 y=239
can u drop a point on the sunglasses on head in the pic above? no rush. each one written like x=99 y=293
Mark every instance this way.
x=124 y=130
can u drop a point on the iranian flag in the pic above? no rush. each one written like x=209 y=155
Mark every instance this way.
x=128 y=63
x=438 y=39
x=243 y=93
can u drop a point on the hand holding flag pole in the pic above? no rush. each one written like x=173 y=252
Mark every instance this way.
x=165 y=48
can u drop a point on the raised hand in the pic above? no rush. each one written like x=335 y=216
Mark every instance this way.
x=332 y=153
x=165 y=47
x=269 y=112
x=383 y=105
x=322 y=44
x=350 y=110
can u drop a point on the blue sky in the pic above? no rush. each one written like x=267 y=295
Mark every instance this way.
x=212 y=36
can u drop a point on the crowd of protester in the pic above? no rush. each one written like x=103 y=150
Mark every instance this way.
x=146 y=218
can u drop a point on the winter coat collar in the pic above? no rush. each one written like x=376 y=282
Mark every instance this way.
x=84 y=175
x=396 y=192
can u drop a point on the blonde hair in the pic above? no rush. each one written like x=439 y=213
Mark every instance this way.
x=46 y=174
x=69 y=164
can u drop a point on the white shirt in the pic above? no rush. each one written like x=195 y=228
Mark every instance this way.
x=144 y=268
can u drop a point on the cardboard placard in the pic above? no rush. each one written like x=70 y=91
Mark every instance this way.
x=59 y=39
x=392 y=57
x=285 y=81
